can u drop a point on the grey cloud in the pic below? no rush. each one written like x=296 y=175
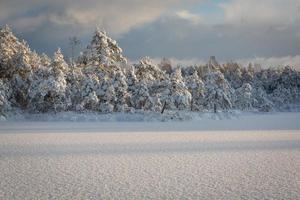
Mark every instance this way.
x=47 y=24
x=155 y=28
x=171 y=36
x=116 y=16
x=271 y=12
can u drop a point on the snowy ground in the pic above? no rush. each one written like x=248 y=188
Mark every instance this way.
x=250 y=156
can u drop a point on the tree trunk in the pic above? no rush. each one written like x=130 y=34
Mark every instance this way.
x=164 y=107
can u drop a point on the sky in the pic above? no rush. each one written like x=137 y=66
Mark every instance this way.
x=184 y=30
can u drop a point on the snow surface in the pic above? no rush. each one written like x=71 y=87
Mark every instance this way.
x=251 y=156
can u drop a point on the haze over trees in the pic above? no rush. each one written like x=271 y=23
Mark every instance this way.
x=101 y=80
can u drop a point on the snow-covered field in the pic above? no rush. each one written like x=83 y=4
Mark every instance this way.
x=254 y=156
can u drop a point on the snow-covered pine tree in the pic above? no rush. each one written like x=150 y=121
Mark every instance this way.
x=5 y=94
x=147 y=71
x=287 y=89
x=75 y=82
x=243 y=97
x=59 y=65
x=233 y=74
x=181 y=97
x=16 y=64
x=131 y=78
x=121 y=91
x=97 y=82
x=218 y=93
x=166 y=65
x=48 y=90
x=154 y=82
x=9 y=46
x=88 y=88
x=281 y=96
x=108 y=98
x=196 y=88
x=261 y=100
x=103 y=50
x=140 y=95
x=45 y=60
x=248 y=74
x=91 y=102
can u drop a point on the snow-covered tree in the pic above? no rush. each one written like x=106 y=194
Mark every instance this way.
x=91 y=102
x=287 y=90
x=131 y=83
x=87 y=97
x=15 y=56
x=261 y=100
x=120 y=87
x=218 y=93
x=103 y=50
x=131 y=78
x=102 y=81
x=140 y=95
x=9 y=46
x=108 y=99
x=181 y=97
x=233 y=74
x=17 y=63
x=45 y=60
x=166 y=65
x=48 y=89
x=5 y=93
x=244 y=99
x=196 y=88
x=146 y=70
x=59 y=65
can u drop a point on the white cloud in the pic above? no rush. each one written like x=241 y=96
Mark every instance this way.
x=185 y=14
x=268 y=12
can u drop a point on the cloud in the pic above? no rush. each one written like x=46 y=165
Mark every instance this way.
x=179 y=29
x=29 y=24
x=185 y=14
x=47 y=24
x=268 y=12
x=116 y=16
x=174 y=36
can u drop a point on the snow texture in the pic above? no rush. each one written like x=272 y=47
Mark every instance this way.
x=251 y=157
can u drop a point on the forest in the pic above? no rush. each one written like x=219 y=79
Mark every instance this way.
x=100 y=79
